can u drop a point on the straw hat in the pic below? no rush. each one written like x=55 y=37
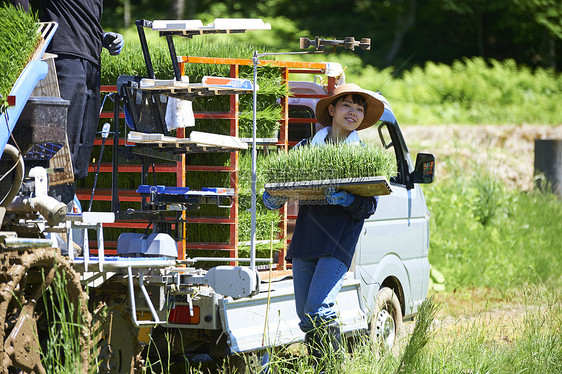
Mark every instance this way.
x=374 y=110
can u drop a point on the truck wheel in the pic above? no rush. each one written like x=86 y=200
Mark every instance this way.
x=31 y=302
x=387 y=318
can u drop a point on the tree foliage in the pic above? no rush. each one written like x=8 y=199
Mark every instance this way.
x=402 y=31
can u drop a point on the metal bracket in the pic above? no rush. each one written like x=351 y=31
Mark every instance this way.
x=132 y=301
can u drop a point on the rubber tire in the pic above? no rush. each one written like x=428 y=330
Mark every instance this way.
x=387 y=316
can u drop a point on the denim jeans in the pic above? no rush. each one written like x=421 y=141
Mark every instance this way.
x=317 y=282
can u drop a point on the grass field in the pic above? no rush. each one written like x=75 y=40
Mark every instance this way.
x=498 y=249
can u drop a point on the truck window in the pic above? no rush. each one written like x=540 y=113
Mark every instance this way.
x=389 y=141
x=300 y=130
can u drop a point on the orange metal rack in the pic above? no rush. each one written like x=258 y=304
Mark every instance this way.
x=180 y=168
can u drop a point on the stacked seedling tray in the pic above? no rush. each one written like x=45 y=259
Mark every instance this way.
x=200 y=167
x=305 y=172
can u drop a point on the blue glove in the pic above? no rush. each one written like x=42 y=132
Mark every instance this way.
x=273 y=202
x=342 y=198
x=113 y=42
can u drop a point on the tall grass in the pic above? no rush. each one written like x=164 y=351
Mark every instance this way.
x=61 y=350
x=527 y=341
x=486 y=235
x=524 y=342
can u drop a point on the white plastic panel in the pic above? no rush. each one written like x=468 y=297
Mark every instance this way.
x=220 y=24
x=244 y=320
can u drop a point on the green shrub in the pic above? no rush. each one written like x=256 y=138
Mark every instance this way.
x=470 y=91
x=476 y=91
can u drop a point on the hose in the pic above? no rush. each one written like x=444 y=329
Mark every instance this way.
x=19 y=167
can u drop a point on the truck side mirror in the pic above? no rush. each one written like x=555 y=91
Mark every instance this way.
x=425 y=167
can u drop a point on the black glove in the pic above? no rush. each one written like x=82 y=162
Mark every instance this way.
x=113 y=42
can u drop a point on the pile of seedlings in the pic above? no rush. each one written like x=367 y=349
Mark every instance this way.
x=131 y=62
x=332 y=161
x=18 y=37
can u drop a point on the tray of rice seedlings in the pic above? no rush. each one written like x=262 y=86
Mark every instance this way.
x=271 y=87
x=265 y=218
x=305 y=172
x=19 y=39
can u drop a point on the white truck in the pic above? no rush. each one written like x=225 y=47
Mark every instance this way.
x=387 y=281
x=181 y=309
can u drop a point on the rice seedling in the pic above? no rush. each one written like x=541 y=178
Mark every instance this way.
x=61 y=348
x=333 y=161
x=18 y=38
x=267 y=122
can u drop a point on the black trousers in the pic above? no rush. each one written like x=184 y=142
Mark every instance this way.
x=79 y=82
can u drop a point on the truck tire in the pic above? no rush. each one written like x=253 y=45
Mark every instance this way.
x=386 y=322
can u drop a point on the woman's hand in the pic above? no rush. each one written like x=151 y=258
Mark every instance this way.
x=342 y=198
x=273 y=202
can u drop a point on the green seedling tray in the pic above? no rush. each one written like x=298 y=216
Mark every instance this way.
x=314 y=190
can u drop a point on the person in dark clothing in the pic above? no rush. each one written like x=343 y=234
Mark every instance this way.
x=77 y=43
x=325 y=235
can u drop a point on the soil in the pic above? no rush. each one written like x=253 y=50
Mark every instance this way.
x=506 y=151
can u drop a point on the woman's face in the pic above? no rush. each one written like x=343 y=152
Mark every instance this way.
x=346 y=115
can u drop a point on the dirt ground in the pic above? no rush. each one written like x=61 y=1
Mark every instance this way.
x=507 y=151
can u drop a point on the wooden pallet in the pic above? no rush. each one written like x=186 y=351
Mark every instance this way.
x=186 y=90
x=314 y=190
x=197 y=139
x=61 y=161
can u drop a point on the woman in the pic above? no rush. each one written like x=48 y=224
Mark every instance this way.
x=325 y=235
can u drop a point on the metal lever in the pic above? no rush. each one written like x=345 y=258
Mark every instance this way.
x=348 y=43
